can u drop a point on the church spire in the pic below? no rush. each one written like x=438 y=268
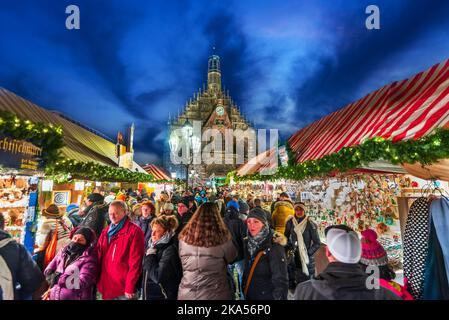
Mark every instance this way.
x=214 y=74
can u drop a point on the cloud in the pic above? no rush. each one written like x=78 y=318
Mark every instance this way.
x=285 y=64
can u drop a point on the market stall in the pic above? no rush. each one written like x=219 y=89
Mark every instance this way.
x=44 y=153
x=357 y=166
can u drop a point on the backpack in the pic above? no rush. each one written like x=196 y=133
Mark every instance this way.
x=6 y=282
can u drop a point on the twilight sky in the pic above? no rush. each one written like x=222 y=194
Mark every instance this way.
x=285 y=63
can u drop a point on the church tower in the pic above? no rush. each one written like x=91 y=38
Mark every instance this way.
x=214 y=75
x=214 y=108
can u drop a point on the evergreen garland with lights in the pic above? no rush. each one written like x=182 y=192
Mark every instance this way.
x=45 y=136
x=65 y=170
x=426 y=150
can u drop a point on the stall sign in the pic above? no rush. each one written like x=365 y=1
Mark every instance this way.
x=19 y=154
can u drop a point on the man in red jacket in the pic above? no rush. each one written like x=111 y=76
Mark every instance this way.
x=120 y=252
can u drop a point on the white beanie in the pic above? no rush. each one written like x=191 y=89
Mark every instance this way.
x=344 y=245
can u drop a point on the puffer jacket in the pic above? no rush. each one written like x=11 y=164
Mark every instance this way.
x=341 y=281
x=85 y=265
x=162 y=272
x=95 y=217
x=312 y=243
x=282 y=210
x=237 y=228
x=270 y=278
x=205 y=271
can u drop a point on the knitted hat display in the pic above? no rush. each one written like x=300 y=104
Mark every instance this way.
x=373 y=253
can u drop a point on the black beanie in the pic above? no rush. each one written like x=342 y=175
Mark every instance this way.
x=258 y=213
x=88 y=234
x=95 y=197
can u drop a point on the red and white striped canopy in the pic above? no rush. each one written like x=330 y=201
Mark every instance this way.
x=263 y=161
x=408 y=109
x=157 y=172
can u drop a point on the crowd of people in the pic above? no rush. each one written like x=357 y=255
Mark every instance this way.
x=193 y=245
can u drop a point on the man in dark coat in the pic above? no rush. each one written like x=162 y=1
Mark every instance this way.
x=265 y=247
x=344 y=278
x=301 y=268
x=27 y=279
x=236 y=226
x=95 y=213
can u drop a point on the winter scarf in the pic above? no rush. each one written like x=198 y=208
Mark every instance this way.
x=302 y=250
x=115 y=228
x=163 y=240
x=72 y=251
x=255 y=242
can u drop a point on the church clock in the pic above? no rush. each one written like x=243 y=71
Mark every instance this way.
x=219 y=111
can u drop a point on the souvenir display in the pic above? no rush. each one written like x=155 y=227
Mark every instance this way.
x=360 y=202
x=14 y=203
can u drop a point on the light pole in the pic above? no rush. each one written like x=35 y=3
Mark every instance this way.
x=188 y=132
x=192 y=143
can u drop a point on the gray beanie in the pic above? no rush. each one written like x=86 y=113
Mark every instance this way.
x=259 y=214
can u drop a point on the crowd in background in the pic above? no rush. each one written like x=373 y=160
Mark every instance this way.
x=198 y=244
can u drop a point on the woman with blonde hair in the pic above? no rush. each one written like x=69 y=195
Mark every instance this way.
x=162 y=270
x=205 y=249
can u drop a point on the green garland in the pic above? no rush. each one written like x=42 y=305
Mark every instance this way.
x=45 y=136
x=93 y=171
x=425 y=150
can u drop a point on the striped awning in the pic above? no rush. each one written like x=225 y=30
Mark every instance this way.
x=407 y=109
x=263 y=161
x=158 y=173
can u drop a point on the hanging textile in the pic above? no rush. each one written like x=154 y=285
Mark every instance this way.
x=416 y=240
x=439 y=210
x=435 y=279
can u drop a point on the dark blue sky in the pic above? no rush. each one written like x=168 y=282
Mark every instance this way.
x=136 y=61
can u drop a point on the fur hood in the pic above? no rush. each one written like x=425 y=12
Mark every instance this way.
x=284 y=203
x=279 y=238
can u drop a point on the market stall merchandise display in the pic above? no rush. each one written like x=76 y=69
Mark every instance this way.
x=14 y=199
